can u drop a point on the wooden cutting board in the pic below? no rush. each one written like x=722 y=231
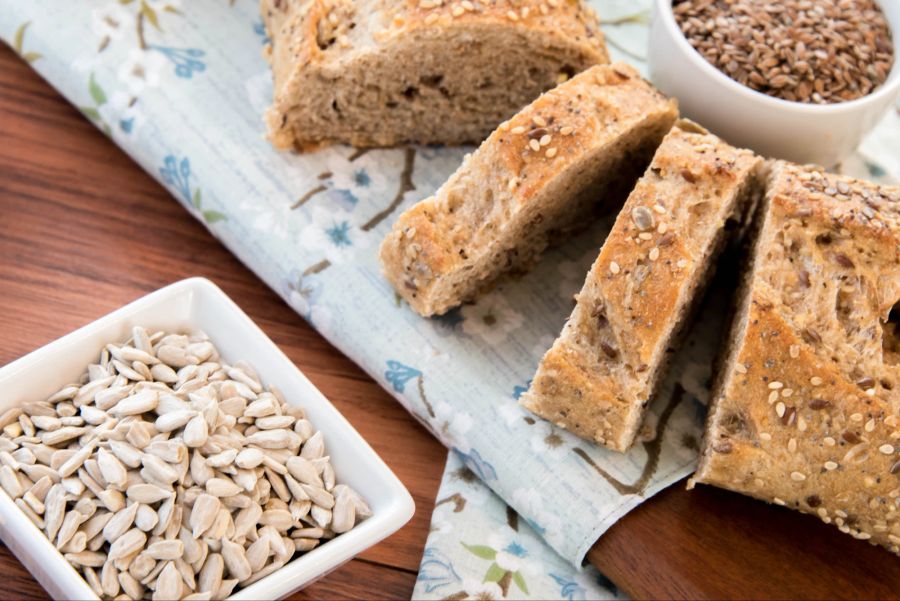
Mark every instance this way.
x=714 y=544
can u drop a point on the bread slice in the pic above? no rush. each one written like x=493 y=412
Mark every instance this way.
x=380 y=73
x=806 y=412
x=580 y=145
x=603 y=369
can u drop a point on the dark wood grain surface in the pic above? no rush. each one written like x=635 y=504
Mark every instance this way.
x=714 y=544
x=83 y=231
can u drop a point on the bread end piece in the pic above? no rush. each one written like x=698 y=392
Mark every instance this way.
x=806 y=413
x=604 y=368
x=534 y=180
x=371 y=73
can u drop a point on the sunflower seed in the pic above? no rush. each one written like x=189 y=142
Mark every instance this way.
x=130 y=542
x=138 y=403
x=168 y=586
x=147 y=493
x=174 y=420
x=165 y=549
x=221 y=487
x=362 y=510
x=146 y=518
x=314 y=447
x=163 y=373
x=261 y=408
x=258 y=553
x=96 y=524
x=64 y=394
x=75 y=461
x=120 y=523
x=129 y=371
x=271 y=439
x=222 y=526
x=87 y=558
x=69 y=527
x=210 y=577
x=187 y=574
x=125 y=453
x=304 y=471
x=114 y=473
x=203 y=514
x=10 y=482
x=47 y=423
x=277 y=484
x=223 y=459
x=196 y=432
x=302 y=545
x=61 y=435
x=158 y=469
x=343 y=514
x=167 y=450
x=280 y=519
x=138 y=434
x=165 y=513
x=247 y=519
x=142 y=566
x=319 y=496
x=90 y=575
x=175 y=522
x=113 y=500
x=130 y=585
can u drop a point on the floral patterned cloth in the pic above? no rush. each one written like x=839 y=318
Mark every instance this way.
x=181 y=87
x=479 y=548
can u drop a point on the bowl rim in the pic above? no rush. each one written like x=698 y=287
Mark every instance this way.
x=889 y=88
x=399 y=505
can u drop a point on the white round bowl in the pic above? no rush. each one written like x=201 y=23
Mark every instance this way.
x=803 y=133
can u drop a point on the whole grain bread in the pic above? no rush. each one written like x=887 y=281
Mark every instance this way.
x=579 y=146
x=806 y=413
x=385 y=72
x=602 y=371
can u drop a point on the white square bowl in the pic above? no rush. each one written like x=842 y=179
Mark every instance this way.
x=197 y=303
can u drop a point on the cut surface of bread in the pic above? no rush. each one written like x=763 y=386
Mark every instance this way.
x=538 y=176
x=603 y=369
x=806 y=412
x=385 y=72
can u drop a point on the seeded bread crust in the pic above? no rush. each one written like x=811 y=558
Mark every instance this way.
x=807 y=411
x=581 y=145
x=603 y=369
x=385 y=72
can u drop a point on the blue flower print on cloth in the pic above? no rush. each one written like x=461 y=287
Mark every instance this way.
x=480 y=548
x=182 y=86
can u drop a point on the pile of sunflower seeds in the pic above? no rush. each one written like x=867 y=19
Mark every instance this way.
x=814 y=51
x=166 y=473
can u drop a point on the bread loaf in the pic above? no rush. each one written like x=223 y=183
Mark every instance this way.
x=806 y=413
x=603 y=369
x=579 y=146
x=380 y=72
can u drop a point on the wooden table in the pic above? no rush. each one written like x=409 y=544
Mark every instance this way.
x=83 y=230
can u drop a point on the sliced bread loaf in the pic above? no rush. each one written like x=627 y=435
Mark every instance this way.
x=806 y=412
x=384 y=72
x=580 y=145
x=603 y=369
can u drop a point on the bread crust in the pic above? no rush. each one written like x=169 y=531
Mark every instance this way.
x=316 y=43
x=442 y=237
x=807 y=414
x=602 y=371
